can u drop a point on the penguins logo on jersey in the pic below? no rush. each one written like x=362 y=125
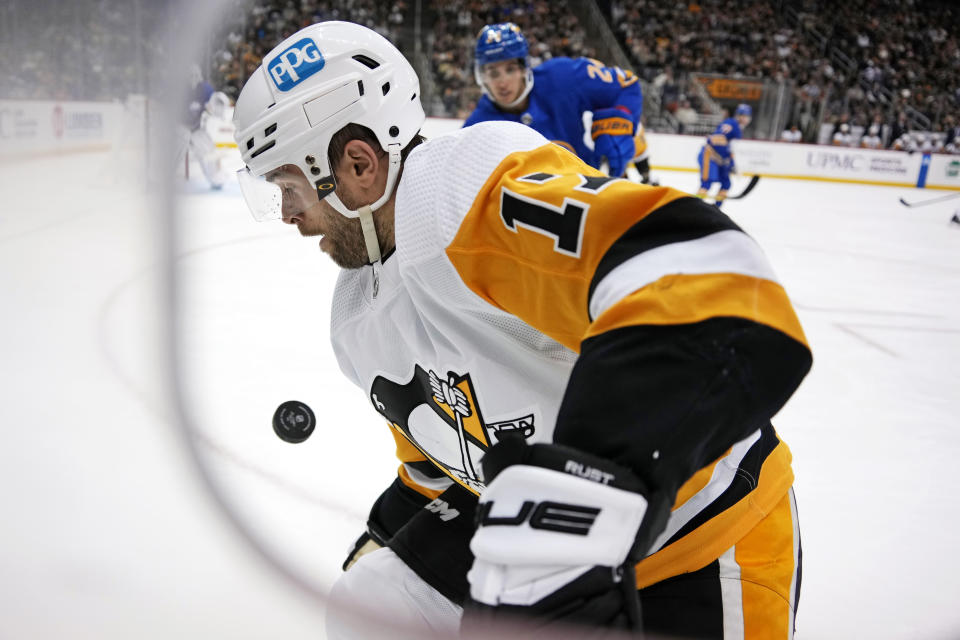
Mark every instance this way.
x=439 y=415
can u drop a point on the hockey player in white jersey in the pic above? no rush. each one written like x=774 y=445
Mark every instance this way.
x=872 y=140
x=579 y=372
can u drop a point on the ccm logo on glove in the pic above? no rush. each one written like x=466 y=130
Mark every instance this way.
x=547 y=515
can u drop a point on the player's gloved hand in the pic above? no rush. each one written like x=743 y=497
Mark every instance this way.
x=558 y=534
x=612 y=134
x=361 y=547
x=390 y=512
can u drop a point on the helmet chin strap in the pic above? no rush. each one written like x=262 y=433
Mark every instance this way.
x=365 y=214
x=369 y=233
x=528 y=85
x=373 y=244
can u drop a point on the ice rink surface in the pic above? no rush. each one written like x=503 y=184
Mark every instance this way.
x=109 y=532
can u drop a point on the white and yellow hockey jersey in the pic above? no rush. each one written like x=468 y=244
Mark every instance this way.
x=530 y=294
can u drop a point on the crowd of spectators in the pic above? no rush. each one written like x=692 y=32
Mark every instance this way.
x=85 y=50
x=731 y=37
x=450 y=29
x=259 y=25
x=859 y=65
x=849 y=63
x=899 y=136
x=906 y=53
x=549 y=26
x=108 y=49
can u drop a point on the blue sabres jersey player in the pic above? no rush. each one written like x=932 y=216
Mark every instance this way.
x=716 y=156
x=553 y=97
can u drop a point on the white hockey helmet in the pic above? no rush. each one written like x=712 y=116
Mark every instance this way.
x=310 y=86
x=218 y=104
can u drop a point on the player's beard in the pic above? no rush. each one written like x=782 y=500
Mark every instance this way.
x=343 y=236
x=345 y=245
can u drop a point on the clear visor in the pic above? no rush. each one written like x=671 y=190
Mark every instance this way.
x=281 y=193
x=264 y=199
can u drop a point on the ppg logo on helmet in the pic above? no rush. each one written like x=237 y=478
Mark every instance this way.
x=297 y=63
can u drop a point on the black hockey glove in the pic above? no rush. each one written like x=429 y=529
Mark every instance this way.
x=391 y=511
x=558 y=534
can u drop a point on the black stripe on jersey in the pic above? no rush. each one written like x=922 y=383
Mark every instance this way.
x=667 y=400
x=393 y=509
x=686 y=606
x=427 y=468
x=748 y=475
x=681 y=220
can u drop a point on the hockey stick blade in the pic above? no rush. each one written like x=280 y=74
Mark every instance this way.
x=753 y=182
x=931 y=201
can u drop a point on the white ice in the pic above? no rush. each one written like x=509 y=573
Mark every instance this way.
x=109 y=532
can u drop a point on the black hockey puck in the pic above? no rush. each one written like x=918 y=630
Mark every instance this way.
x=293 y=421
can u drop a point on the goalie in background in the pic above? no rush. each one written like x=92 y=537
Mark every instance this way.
x=203 y=102
x=716 y=158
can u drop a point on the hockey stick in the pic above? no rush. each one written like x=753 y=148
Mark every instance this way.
x=926 y=202
x=753 y=182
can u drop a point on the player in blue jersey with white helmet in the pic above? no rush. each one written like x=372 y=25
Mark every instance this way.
x=553 y=97
x=716 y=157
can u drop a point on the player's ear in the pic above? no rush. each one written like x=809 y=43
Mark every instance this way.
x=360 y=162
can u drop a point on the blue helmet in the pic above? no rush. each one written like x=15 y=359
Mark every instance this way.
x=504 y=41
x=743 y=110
x=497 y=42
